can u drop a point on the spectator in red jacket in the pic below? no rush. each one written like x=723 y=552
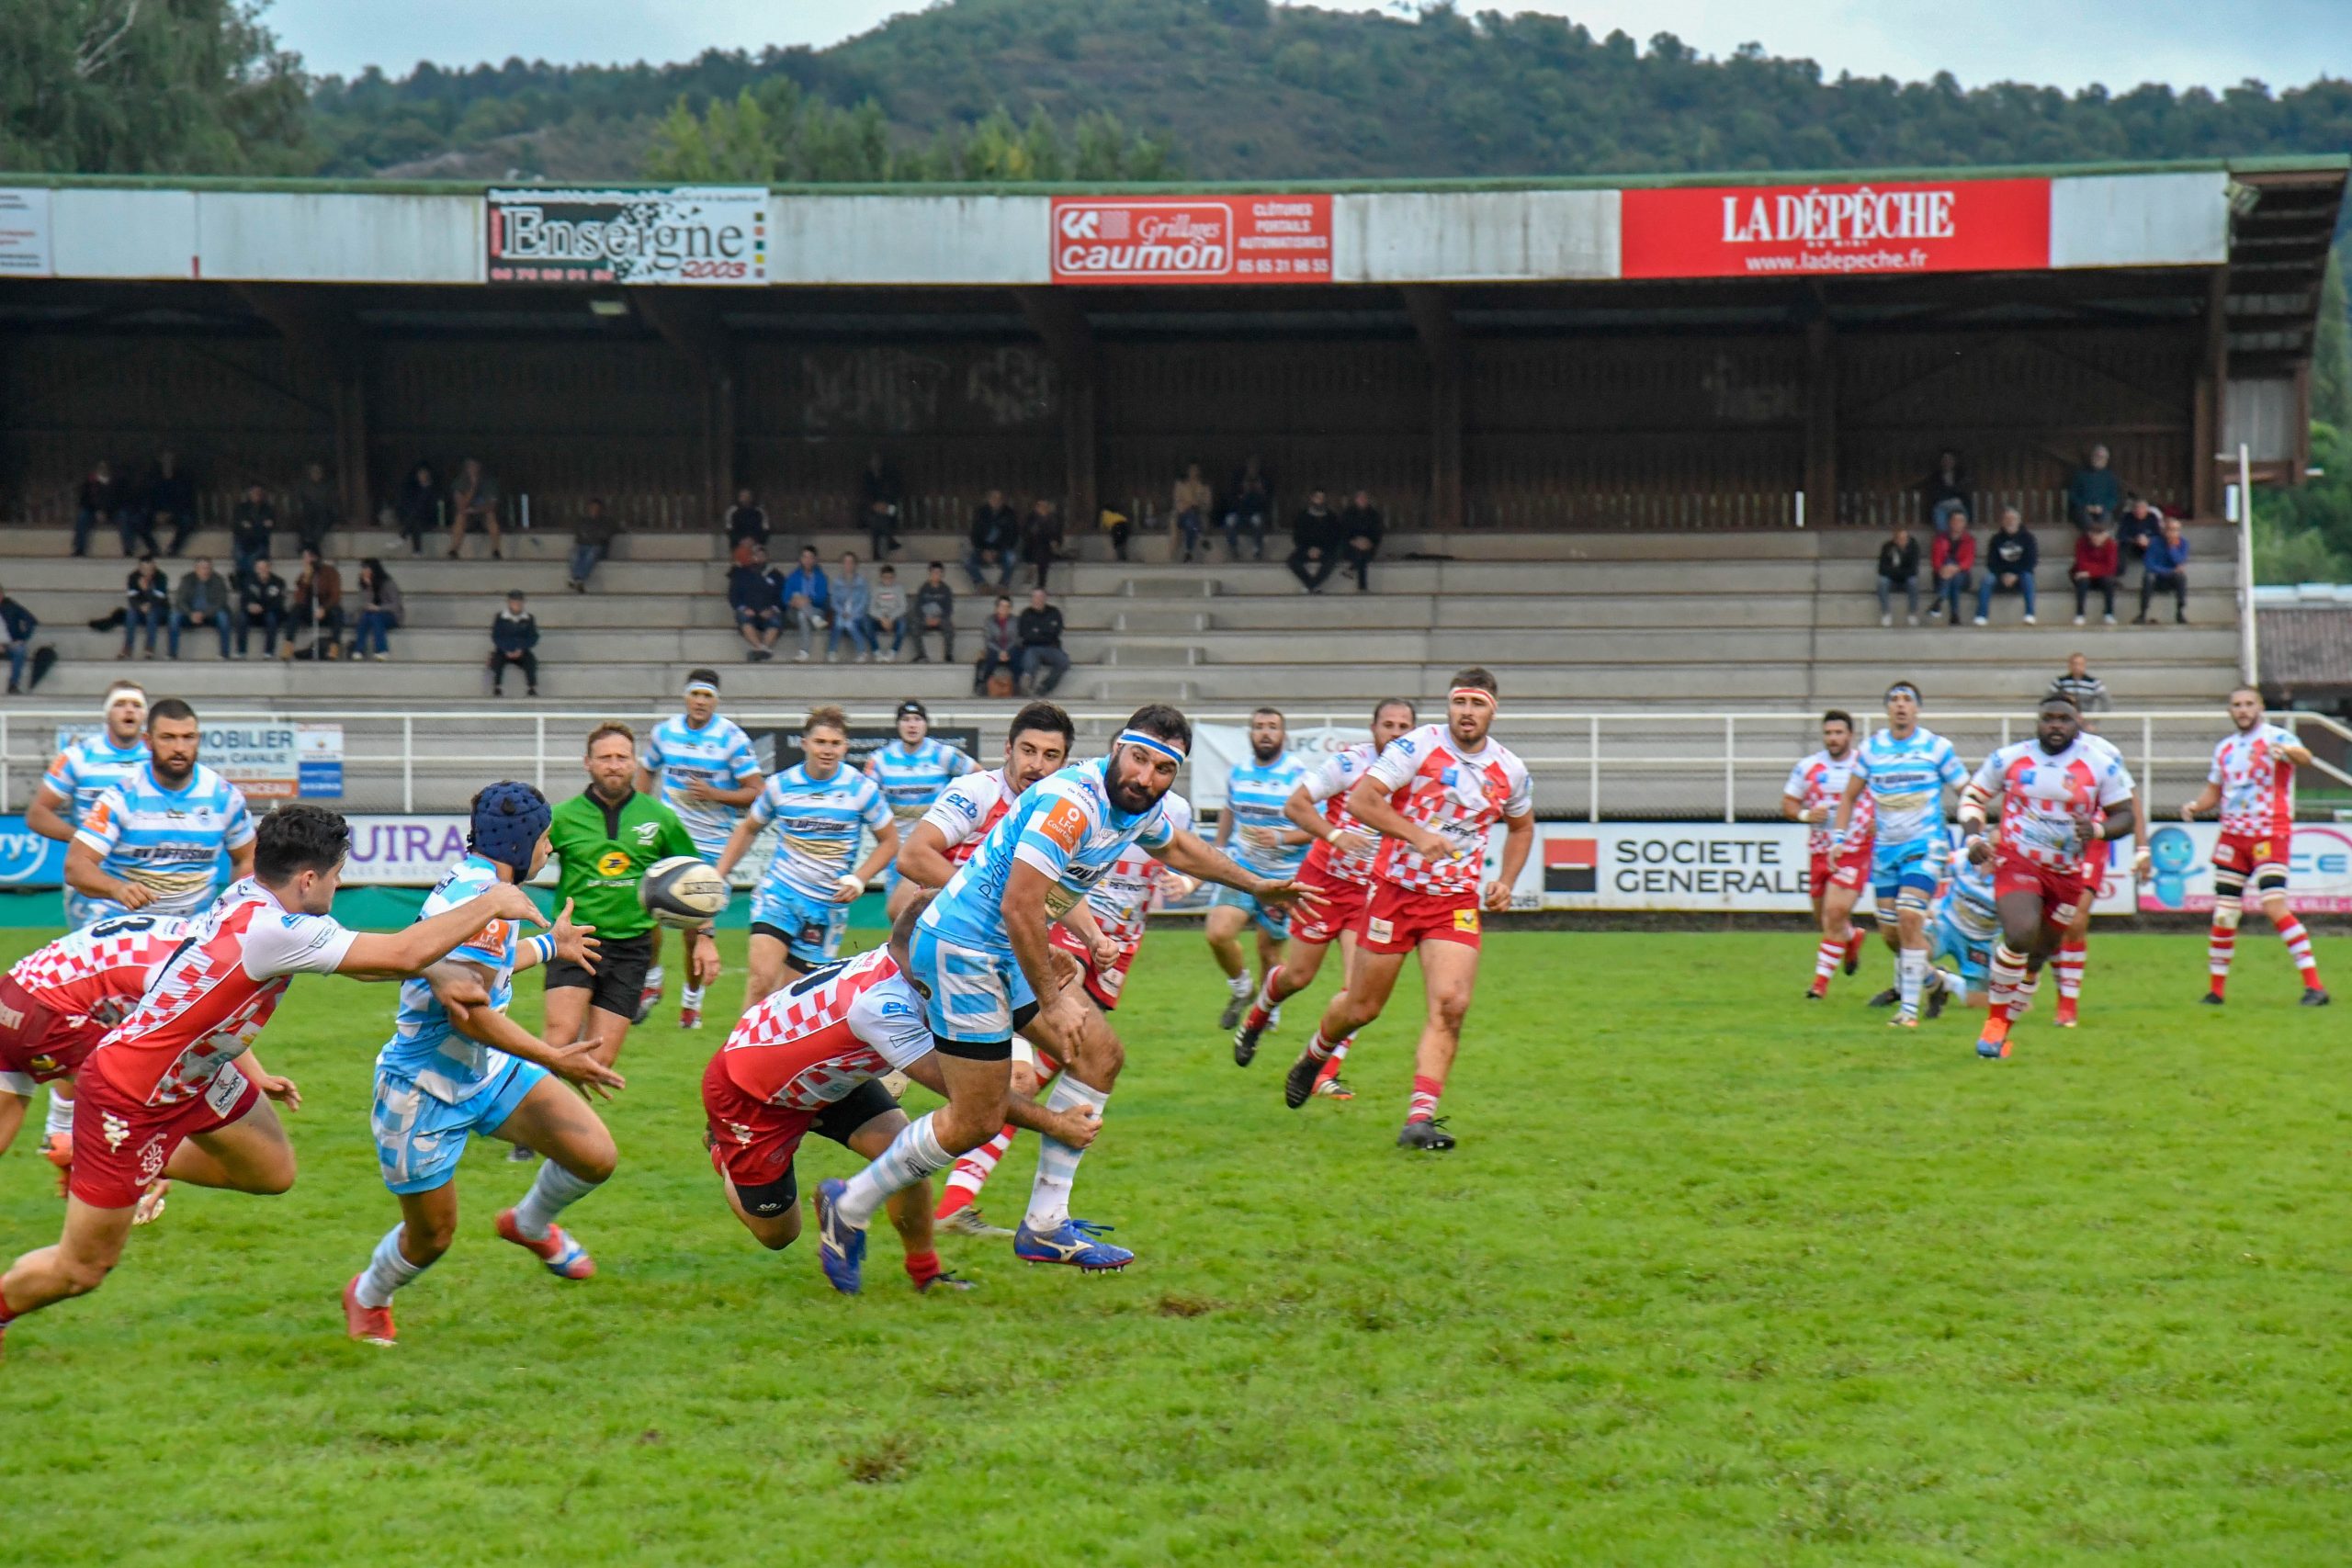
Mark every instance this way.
x=2099 y=561
x=1954 y=562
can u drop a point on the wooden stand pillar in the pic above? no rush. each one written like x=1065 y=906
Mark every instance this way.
x=1441 y=338
x=1820 y=424
x=2210 y=414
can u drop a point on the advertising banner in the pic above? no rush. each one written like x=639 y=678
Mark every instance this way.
x=24 y=232
x=2319 y=868
x=268 y=762
x=687 y=234
x=1219 y=749
x=27 y=860
x=1944 y=225
x=1183 y=239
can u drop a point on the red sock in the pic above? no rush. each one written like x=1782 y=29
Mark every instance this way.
x=1425 y=1093
x=2299 y=948
x=951 y=1200
x=922 y=1267
x=1854 y=943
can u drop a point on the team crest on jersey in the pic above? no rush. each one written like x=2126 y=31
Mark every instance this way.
x=646 y=833
x=115 y=1129
x=1065 y=825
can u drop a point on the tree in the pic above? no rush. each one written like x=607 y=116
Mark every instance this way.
x=148 y=86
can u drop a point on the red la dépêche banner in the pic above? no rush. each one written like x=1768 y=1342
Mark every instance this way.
x=1949 y=225
x=1192 y=239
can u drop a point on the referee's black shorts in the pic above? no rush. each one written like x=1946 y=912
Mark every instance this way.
x=619 y=978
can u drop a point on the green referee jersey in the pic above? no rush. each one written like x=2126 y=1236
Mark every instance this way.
x=604 y=851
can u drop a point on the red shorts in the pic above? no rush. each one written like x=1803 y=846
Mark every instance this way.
x=751 y=1140
x=1103 y=985
x=1850 y=870
x=2242 y=852
x=1343 y=908
x=120 y=1145
x=35 y=1041
x=2062 y=889
x=1399 y=920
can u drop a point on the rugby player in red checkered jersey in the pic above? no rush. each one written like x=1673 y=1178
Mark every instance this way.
x=1340 y=868
x=1838 y=868
x=58 y=1001
x=176 y=1091
x=2252 y=781
x=2053 y=795
x=1433 y=795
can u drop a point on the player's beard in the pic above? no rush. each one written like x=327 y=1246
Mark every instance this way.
x=1265 y=754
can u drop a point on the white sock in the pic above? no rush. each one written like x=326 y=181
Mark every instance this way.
x=552 y=1192
x=653 y=979
x=692 y=1000
x=1243 y=985
x=387 y=1271
x=1914 y=972
x=1057 y=1161
x=914 y=1153
x=1952 y=983
x=60 y=1116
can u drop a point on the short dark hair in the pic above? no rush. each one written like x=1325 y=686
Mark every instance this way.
x=169 y=708
x=1911 y=686
x=297 y=838
x=1839 y=716
x=703 y=678
x=939 y=566
x=1043 y=717
x=1162 y=723
x=1477 y=675
x=610 y=727
x=826 y=718
x=1268 y=713
x=2059 y=699
x=1384 y=704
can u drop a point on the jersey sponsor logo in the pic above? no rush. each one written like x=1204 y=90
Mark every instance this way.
x=1065 y=825
x=44 y=1064
x=612 y=862
x=1380 y=930
x=1466 y=920
x=115 y=1129
x=964 y=805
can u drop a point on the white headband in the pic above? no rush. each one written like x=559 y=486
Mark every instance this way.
x=694 y=687
x=1150 y=743
x=1480 y=693
x=120 y=690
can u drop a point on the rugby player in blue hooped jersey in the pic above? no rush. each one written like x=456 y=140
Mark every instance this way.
x=1267 y=843
x=913 y=772
x=702 y=766
x=1907 y=767
x=982 y=958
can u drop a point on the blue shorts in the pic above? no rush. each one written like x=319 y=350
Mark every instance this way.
x=810 y=929
x=970 y=996
x=1275 y=923
x=1975 y=959
x=1911 y=864
x=83 y=912
x=419 y=1139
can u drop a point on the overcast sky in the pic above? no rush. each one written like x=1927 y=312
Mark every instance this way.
x=2068 y=42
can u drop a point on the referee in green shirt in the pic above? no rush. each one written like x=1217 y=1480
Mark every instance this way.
x=606 y=836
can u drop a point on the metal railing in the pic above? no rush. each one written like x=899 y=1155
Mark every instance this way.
x=1593 y=765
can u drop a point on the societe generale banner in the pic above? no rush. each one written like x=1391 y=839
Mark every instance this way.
x=1192 y=239
x=1947 y=225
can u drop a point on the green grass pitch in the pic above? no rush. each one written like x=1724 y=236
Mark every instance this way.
x=1715 y=1277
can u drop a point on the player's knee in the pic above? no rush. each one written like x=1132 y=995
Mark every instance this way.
x=82 y=1275
x=1448 y=1008
x=422 y=1244
x=1025 y=1081
x=270 y=1181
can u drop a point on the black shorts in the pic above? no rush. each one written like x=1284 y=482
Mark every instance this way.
x=837 y=1122
x=619 y=978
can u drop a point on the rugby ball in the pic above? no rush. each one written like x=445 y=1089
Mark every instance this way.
x=681 y=892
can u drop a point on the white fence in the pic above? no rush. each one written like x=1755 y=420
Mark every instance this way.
x=1621 y=765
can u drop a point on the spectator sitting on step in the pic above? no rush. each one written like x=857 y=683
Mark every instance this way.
x=1943 y=491
x=1041 y=537
x=261 y=601
x=1248 y=508
x=201 y=600
x=147 y=605
x=853 y=600
x=1041 y=646
x=316 y=506
x=17 y=627
x=317 y=609
x=250 y=525
x=1000 y=648
x=473 y=499
x=97 y=502
x=885 y=615
x=1953 y=558
x=1361 y=531
x=935 y=612
x=2098 y=565
x=751 y=594
x=1314 y=540
x=380 y=609
x=2078 y=685
x=418 y=508
x=2167 y=572
x=591 y=539
x=808 y=600
x=513 y=637
x=2094 y=484
x=746 y=520
x=994 y=539
x=2140 y=523
x=2011 y=554
x=1898 y=567
x=879 y=494
x=170 y=500
x=1189 y=504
